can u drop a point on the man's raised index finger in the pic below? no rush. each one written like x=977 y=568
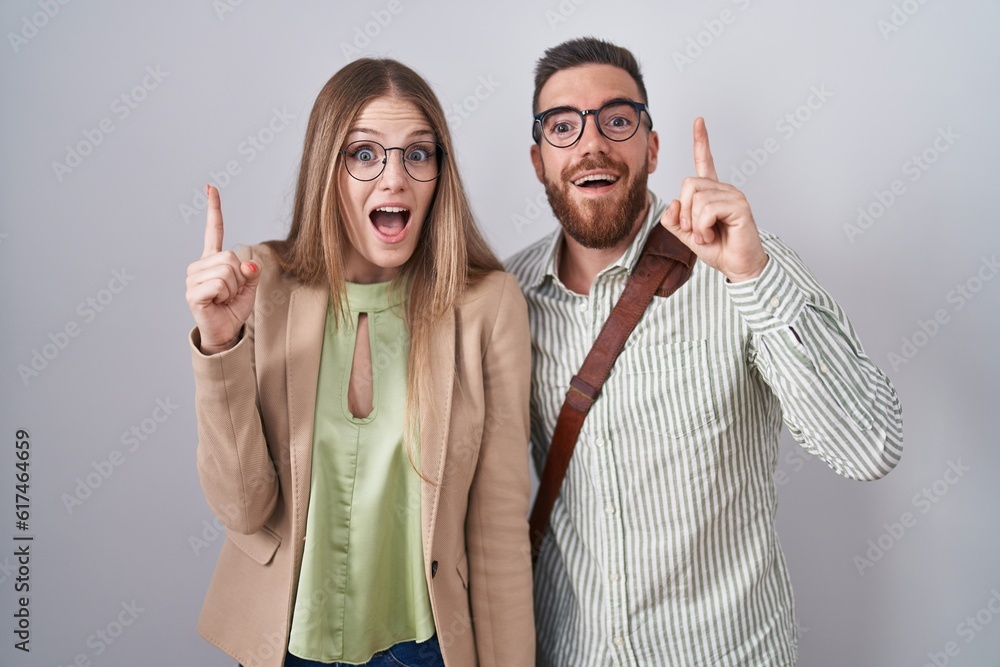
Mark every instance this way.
x=213 y=223
x=704 y=165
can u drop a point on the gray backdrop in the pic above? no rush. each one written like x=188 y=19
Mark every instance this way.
x=864 y=134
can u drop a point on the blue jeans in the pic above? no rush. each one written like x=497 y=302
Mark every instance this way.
x=404 y=654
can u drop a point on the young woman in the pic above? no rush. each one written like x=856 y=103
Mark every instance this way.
x=362 y=401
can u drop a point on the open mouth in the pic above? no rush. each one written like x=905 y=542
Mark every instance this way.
x=594 y=181
x=390 y=223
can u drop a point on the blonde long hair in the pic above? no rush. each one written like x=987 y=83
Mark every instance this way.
x=451 y=253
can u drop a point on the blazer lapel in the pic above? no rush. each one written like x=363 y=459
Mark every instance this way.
x=435 y=417
x=303 y=348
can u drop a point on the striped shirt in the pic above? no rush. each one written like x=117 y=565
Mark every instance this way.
x=661 y=547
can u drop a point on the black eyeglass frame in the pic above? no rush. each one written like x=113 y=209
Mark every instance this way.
x=537 y=133
x=385 y=159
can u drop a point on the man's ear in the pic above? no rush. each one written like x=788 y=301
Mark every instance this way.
x=536 y=161
x=652 y=151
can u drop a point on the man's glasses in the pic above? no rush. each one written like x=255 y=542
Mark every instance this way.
x=365 y=160
x=618 y=120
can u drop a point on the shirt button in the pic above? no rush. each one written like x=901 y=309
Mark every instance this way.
x=610 y=509
x=583 y=306
x=775 y=302
x=823 y=369
x=600 y=442
x=614 y=576
x=618 y=640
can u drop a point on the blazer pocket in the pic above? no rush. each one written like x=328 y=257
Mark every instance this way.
x=463 y=570
x=260 y=546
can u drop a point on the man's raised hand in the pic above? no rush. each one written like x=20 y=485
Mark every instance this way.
x=220 y=288
x=714 y=219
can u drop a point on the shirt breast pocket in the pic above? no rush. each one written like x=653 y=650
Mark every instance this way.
x=673 y=387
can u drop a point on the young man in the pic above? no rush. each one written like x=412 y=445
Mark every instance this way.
x=661 y=548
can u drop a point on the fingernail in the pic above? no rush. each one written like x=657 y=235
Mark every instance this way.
x=206 y=188
x=253 y=267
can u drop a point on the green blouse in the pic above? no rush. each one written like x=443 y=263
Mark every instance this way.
x=361 y=585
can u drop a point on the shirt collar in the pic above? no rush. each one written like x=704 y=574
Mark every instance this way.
x=627 y=260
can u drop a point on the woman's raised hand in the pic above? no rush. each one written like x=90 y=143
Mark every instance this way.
x=220 y=289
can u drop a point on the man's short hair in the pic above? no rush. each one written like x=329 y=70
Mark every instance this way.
x=585 y=51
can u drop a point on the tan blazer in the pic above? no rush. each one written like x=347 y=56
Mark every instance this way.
x=255 y=405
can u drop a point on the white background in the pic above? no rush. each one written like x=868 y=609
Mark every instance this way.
x=144 y=535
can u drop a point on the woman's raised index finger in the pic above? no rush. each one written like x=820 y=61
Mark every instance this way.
x=704 y=165
x=213 y=222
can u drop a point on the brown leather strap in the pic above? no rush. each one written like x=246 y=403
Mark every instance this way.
x=664 y=265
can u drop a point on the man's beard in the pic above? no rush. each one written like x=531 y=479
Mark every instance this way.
x=598 y=223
